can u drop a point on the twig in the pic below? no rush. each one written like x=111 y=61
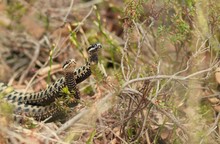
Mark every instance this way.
x=140 y=41
x=173 y=119
x=103 y=105
x=164 y=112
x=158 y=81
x=44 y=65
x=67 y=14
x=84 y=19
x=214 y=126
x=75 y=30
x=210 y=96
x=36 y=54
x=15 y=75
x=124 y=142
x=173 y=77
x=122 y=59
x=13 y=134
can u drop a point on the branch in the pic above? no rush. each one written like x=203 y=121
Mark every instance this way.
x=166 y=77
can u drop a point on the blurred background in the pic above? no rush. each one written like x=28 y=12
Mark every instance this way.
x=158 y=62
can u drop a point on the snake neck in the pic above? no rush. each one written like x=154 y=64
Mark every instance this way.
x=72 y=86
x=93 y=58
x=70 y=81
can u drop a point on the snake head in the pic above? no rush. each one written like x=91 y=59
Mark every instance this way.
x=94 y=48
x=69 y=65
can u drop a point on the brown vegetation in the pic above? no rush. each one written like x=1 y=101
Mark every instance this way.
x=159 y=59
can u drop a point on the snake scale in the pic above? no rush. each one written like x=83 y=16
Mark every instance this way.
x=41 y=105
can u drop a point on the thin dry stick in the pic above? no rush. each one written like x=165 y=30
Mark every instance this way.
x=102 y=131
x=41 y=136
x=44 y=65
x=89 y=13
x=140 y=41
x=64 y=41
x=210 y=96
x=15 y=75
x=124 y=142
x=67 y=14
x=214 y=126
x=170 y=116
x=75 y=30
x=36 y=54
x=147 y=137
x=103 y=105
x=122 y=59
x=199 y=51
x=13 y=134
x=163 y=111
x=72 y=121
x=166 y=77
x=87 y=4
x=158 y=81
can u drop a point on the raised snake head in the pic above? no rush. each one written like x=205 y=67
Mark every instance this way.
x=93 y=53
x=69 y=65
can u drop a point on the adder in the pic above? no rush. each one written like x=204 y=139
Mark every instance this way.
x=41 y=105
x=53 y=91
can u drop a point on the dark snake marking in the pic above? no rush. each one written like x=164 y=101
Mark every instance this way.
x=54 y=90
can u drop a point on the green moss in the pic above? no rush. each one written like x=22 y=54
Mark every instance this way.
x=205 y=110
x=45 y=19
x=89 y=90
x=92 y=135
x=6 y=108
x=15 y=11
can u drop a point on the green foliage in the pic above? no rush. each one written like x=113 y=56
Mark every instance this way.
x=181 y=30
x=62 y=104
x=92 y=135
x=65 y=90
x=118 y=76
x=89 y=90
x=67 y=98
x=205 y=110
x=29 y=124
x=113 y=46
x=132 y=129
x=168 y=33
x=73 y=37
x=15 y=11
x=134 y=9
x=45 y=19
x=6 y=109
x=97 y=73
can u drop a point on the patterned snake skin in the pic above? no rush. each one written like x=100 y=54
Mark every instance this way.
x=41 y=105
x=53 y=91
x=42 y=112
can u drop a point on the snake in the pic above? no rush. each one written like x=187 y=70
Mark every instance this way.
x=53 y=91
x=22 y=101
x=42 y=112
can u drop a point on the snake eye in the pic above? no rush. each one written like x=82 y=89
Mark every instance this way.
x=65 y=64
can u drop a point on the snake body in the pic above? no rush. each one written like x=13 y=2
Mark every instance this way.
x=71 y=84
x=53 y=91
x=42 y=112
x=39 y=113
x=41 y=105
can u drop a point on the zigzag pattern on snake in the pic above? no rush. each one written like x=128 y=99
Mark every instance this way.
x=20 y=100
x=53 y=91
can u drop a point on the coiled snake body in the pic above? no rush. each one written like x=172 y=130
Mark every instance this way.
x=41 y=105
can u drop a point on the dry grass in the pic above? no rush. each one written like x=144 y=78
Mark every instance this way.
x=158 y=57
